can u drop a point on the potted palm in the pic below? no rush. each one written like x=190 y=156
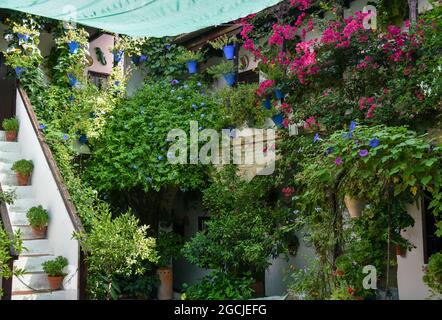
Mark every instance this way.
x=191 y=59
x=54 y=270
x=23 y=169
x=38 y=219
x=11 y=127
x=227 y=44
x=169 y=245
x=225 y=69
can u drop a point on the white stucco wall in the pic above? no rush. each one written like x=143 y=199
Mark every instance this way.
x=105 y=42
x=410 y=273
x=46 y=193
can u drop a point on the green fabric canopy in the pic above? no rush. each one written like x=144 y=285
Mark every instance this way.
x=153 y=18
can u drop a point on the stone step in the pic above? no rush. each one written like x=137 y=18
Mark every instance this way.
x=36 y=248
x=2 y=135
x=26 y=233
x=32 y=264
x=20 y=191
x=9 y=157
x=31 y=281
x=8 y=179
x=6 y=146
x=5 y=167
x=22 y=205
x=54 y=295
x=18 y=218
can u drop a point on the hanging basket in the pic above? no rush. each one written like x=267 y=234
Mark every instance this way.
x=354 y=206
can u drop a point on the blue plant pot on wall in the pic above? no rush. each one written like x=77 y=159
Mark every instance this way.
x=23 y=37
x=136 y=60
x=230 y=78
x=278 y=93
x=278 y=119
x=143 y=58
x=82 y=139
x=118 y=55
x=192 y=66
x=229 y=51
x=268 y=102
x=72 y=80
x=73 y=47
x=19 y=70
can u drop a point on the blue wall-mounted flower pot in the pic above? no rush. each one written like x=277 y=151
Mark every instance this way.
x=82 y=139
x=192 y=66
x=19 y=70
x=278 y=93
x=72 y=80
x=118 y=55
x=23 y=37
x=136 y=60
x=73 y=47
x=143 y=58
x=230 y=78
x=278 y=119
x=229 y=51
x=268 y=102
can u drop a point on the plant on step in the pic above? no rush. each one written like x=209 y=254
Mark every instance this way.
x=38 y=218
x=220 y=286
x=433 y=273
x=11 y=127
x=55 y=271
x=23 y=168
x=222 y=41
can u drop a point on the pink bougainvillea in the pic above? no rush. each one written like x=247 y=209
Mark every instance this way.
x=263 y=86
x=286 y=108
x=300 y=4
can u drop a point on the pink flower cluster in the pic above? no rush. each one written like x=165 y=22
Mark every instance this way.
x=368 y=102
x=263 y=86
x=311 y=123
x=304 y=64
x=281 y=33
x=340 y=34
x=400 y=45
x=300 y=4
x=286 y=108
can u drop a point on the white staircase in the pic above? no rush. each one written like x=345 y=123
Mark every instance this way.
x=34 y=284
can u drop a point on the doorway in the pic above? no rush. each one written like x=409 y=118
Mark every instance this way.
x=8 y=91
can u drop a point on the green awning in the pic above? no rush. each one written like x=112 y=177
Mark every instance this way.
x=153 y=18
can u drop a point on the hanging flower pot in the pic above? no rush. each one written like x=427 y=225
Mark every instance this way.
x=229 y=51
x=72 y=80
x=136 y=60
x=400 y=251
x=118 y=55
x=230 y=78
x=268 y=102
x=73 y=47
x=354 y=206
x=82 y=139
x=278 y=93
x=19 y=70
x=278 y=120
x=23 y=37
x=192 y=66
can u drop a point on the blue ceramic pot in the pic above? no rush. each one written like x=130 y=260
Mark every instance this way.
x=118 y=56
x=82 y=139
x=192 y=66
x=278 y=119
x=136 y=60
x=23 y=37
x=268 y=103
x=229 y=51
x=72 y=80
x=19 y=70
x=230 y=78
x=73 y=47
x=278 y=93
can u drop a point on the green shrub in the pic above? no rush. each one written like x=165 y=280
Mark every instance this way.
x=10 y=124
x=23 y=166
x=221 y=69
x=54 y=268
x=38 y=217
x=220 y=286
x=433 y=275
x=169 y=245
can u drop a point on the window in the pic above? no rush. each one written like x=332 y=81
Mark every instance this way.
x=99 y=79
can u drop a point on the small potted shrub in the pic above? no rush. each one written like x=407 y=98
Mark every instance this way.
x=225 y=69
x=11 y=127
x=23 y=169
x=191 y=59
x=54 y=270
x=227 y=44
x=38 y=219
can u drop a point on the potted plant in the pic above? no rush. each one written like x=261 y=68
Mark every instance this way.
x=227 y=44
x=400 y=250
x=226 y=69
x=191 y=59
x=38 y=219
x=278 y=120
x=354 y=206
x=23 y=169
x=73 y=47
x=118 y=55
x=169 y=245
x=11 y=127
x=54 y=270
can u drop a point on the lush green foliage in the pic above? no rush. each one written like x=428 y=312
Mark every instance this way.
x=433 y=274
x=222 y=68
x=10 y=124
x=55 y=267
x=220 y=286
x=23 y=166
x=169 y=245
x=222 y=41
x=133 y=149
x=5 y=244
x=38 y=217
x=189 y=55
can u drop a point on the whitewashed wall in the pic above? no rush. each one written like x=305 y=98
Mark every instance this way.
x=46 y=193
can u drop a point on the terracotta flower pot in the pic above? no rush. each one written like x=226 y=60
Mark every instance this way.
x=165 y=290
x=22 y=180
x=11 y=135
x=400 y=251
x=354 y=206
x=55 y=283
x=40 y=232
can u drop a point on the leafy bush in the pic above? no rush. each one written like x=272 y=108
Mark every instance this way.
x=54 y=268
x=10 y=124
x=38 y=217
x=220 y=286
x=5 y=243
x=169 y=245
x=433 y=274
x=23 y=167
